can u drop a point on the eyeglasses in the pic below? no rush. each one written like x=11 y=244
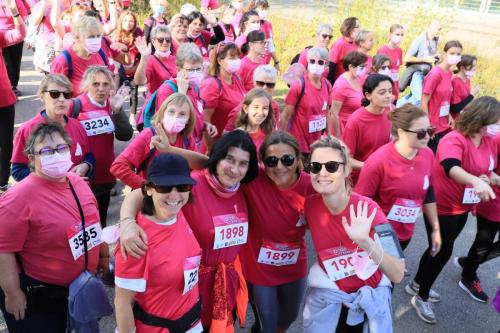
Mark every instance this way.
x=320 y=62
x=60 y=149
x=263 y=84
x=164 y=40
x=272 y=161
x=422 y=132
x=330 y=166
x=325 y=36
x=194 y=70
x=54 y=94
x=168 y=189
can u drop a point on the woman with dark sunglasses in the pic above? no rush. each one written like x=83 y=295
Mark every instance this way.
x=324 y=35
x=218 y=216
x=163 y=283
x=352 y=267
x=254 y=50
x=55 y=92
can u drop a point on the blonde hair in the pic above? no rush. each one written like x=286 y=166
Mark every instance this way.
x=178 y=99
x=82 y=26
x=90 y=74
x=58 y=79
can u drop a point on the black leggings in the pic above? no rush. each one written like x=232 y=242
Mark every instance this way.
x=483 y=248
x=404 y=244
x=103 y=200
x=434 y=142
x=12 y=56
x=429 y=268
x=7 y=115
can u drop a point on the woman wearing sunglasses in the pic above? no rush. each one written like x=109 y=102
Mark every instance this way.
x=218 y=216
x=381 y=65
x=395 y=54
x=55 y=92
x=352 y=268
x=163 y=283
x=369 y=128
x=344 y=45
x=463 y=175
x=324 y=35
x=255 y=49
x=306 y=114
x=403 y=198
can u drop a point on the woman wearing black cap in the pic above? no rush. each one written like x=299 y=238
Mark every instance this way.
x=163 y=281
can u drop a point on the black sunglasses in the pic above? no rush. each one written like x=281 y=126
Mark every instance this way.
x=320 y=62
x=272 y=161
x=262 y=84
x=326 y=36
x=162 y=40
x=56 y=93
x=168 y=189
x=421 y=133
x=330 y=166
x=385 y=67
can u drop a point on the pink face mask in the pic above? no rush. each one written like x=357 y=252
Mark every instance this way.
x=364 y=267
x=233 y=65
x=56 y=165
x=162 y=54
x=173 y=125
x=396 y=39
x=93 y=45
x=453 y=59
x=195 y=78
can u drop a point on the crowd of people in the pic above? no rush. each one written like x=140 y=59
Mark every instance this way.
x=225 y=182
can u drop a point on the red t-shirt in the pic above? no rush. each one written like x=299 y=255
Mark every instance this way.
x=364 y=133
x=158 y=70
x=158 y=276
x=80 y=145
x=396 y=56
x=339 y=50
x=309 y=117
x=350 y=98
x=203 y=42
x=38 y=231
x=101 y=145
x=461 y=89
x=80 y=65
x=491 y=209
x=388 y=176
x=200 y=214
x=223 y=99
x=303 y=61
x=246 y=71
x=475 y=160
x=437 y=83
x=277 y=216
x=136 y=152
x=327 y=233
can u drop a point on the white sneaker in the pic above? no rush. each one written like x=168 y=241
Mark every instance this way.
x=424 y=310
x=412 y=289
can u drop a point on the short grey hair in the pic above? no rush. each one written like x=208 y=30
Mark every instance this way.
x=42 y=131
x=57 y=79
x=90 y=74
x=265 y=71
x=361 y=36
x=188 y=52
x=318 y=52
x=160 y=28
x=322 y=27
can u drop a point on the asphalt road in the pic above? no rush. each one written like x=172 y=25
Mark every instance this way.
x=457 y=312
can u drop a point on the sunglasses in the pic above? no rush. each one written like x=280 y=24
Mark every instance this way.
x=330 y=166
x=325 y=36
x=385 y=67
x=60 y=149
x=56 y=93
x=168 y=189
x=320 y=62
x=262 y=84
x=272 y=161
x=164 y=40
x=421 y=133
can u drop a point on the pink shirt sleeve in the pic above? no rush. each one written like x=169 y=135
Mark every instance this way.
x=18 y=155
x=14 y=225
x=369 y=178
x=209 y=92
x=14 y=36
x=431 y=81
x=451 y=147
x=338 y=92
x=59 y=66
x=336 y=52
x=293 y=94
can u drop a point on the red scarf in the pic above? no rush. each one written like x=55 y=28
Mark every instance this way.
x=217 y=187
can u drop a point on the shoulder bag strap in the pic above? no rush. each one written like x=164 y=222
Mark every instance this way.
x=82 y=217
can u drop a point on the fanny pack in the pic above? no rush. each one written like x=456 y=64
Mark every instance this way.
x=181 y=325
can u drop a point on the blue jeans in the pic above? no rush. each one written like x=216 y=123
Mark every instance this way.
x=276 y=307
x=415 y=95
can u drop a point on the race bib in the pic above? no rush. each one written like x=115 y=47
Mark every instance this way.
x=278 y=254
x=404 y=211
x=191 y=267
x=230 y=230
x=444 y=111
x=470 y=196
x=394 y=76
x=92 y=235
x=339 y=262
x=317 y=123
x=96 y=122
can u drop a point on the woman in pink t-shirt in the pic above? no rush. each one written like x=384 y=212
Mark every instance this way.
x=254 y=50
x=462 y=93
x=108 y=14
x=262 y=8
x=201 y=35
x=250 y=21
x=344 y=44
x=381 y=65
x=178 y=28
x=347 y=90
x=158 y=17
x=324 y=35
x=395 y=53
x=364 y=42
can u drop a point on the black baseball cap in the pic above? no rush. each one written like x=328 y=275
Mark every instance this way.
x=170 y=170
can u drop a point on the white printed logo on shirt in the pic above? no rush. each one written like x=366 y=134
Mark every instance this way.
x=426 y=182
x=492 y=164
x=78 y=150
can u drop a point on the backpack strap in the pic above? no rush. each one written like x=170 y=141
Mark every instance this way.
x=302 y=89
x=172 y=85
x=103 y=56
x=77 y=108
x=69 y=61
x=219 y=84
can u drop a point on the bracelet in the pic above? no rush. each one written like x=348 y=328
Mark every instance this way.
x=126 y=219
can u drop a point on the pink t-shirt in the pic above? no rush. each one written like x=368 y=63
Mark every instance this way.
x=209 y=4
x=364 y=133
x=38 y=231
x=7 y=38
x=437 y=84
x=233 y=115
x=158 y=276
x=491 y=209
x=203 y=42
x=461 y=89
x=303 y=60
x=158 y=70
x=80 y=144
x=6 y=20
x=338 y=51
x=267 y=28
x=247 y=68
x=223 y=99
x=388 y=176
x=309 y=117
x=350 y=98
x=396 y=56
x=475 y=160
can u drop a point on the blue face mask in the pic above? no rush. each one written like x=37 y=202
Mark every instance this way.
x=158 y=10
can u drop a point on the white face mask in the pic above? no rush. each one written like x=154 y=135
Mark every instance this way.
x=360 y=71
x=237 y=5
x=470 y=73
x=386 y=72
x=493 y=129
x=262 y=14
x=395 y=39
x=56 y=165
x=254 y=26
x=195 y=78
x=233 y=65
x=453 y=59
x=93 y=45
x=316 y=69
x=162 y=54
